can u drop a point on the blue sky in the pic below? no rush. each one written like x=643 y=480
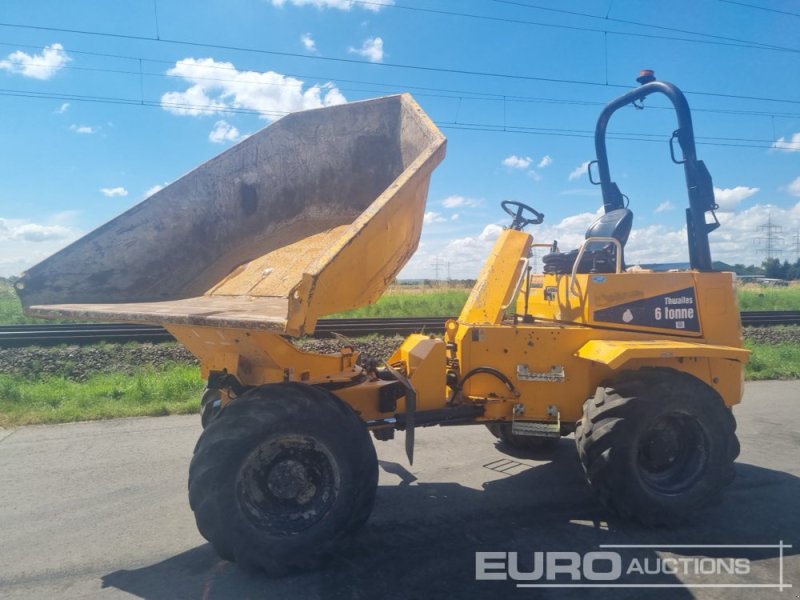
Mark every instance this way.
x=92 y=123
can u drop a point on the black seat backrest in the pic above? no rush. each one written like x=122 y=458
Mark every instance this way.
x=614 y=224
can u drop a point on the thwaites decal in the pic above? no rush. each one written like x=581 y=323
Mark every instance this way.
x=673 y=310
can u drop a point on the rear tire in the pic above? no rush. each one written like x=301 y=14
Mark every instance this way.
x=502 y=431
x=283 y=478
x=657 y=445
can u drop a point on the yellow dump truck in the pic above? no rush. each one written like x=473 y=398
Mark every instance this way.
x=316 y=214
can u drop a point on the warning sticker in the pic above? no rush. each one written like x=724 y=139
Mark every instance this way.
x=674 y=310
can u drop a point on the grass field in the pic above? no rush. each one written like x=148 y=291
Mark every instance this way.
x=440 y=303
x=168 y=390
x=10 y=308
x=773 y=361
x=753 y=297
x=437 y=302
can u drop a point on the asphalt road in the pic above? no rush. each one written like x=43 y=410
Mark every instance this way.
x=99 y=510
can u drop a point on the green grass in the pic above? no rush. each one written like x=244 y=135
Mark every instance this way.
x=169 y=390
x=11 y=308
x=446 y=303
x=773 y=361
x=787 y=298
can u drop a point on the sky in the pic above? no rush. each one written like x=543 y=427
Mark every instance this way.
x=103 y=103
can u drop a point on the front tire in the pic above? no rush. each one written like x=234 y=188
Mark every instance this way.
x=657 y=445
x=283 y=478
x=210 y=406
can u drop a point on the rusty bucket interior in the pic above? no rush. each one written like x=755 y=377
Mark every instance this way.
x=314 y=214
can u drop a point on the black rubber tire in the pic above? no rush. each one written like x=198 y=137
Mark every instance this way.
x=618 y=442
x=260 y=435
x=210 y=407
x=502 y=431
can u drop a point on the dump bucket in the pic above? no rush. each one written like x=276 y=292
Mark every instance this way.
x=314 y=214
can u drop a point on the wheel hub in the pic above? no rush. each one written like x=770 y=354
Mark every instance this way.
x=287 y=484
x=289 y=479
x=673 y=454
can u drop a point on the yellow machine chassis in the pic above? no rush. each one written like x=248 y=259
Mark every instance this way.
x=552 y=363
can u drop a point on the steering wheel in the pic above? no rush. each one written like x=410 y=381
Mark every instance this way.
x=518 y=210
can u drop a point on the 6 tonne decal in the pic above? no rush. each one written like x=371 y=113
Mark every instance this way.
x=673 y=310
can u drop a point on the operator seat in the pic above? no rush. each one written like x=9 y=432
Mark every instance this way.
x=599 y=257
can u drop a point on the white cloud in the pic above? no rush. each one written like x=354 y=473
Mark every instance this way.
x=517 y=162
x=308 y=42
x=578 y=171
x=371 y=5
x=223 y=132
x=37 y=66
x=586 y=192
x=23 y=244
x=791 y=145
x=371 y=49
x=665 y=206
x=156 y=188
x=731 y=243
x=794 y=187
x=218 y=86
x=734 y=241
x=454 y=217
x=490 y=233
x=456 y=201
x=62 y=109
x=84 y=129
x=115 y=192
x=729 y=198
x=545 y=162
x=32 y=232
x=433 y=217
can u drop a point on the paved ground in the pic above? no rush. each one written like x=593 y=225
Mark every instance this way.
x=99 y=510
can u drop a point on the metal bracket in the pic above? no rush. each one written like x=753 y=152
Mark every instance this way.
x=539 y=428
x=555 y=375
x=411 y=407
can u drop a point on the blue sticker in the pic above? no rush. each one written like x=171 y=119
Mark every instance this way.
x=599 y=278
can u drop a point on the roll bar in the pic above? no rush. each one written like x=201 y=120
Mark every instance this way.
x=699 y=186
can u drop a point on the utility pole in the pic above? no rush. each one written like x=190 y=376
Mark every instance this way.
x=796 y=245
x=770 y=238
x=436 y=264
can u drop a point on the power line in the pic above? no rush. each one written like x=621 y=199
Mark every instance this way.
x=424 y=68
x=558 y=133
x=773 y=10
x=737 y=41
x=486 y=127
x=455 y=94
x=717 y=40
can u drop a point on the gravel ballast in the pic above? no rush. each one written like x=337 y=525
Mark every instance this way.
x=79 y=362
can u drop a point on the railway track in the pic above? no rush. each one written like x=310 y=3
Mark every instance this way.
x=17 y=336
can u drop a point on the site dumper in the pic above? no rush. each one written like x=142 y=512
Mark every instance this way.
x=318 y=213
